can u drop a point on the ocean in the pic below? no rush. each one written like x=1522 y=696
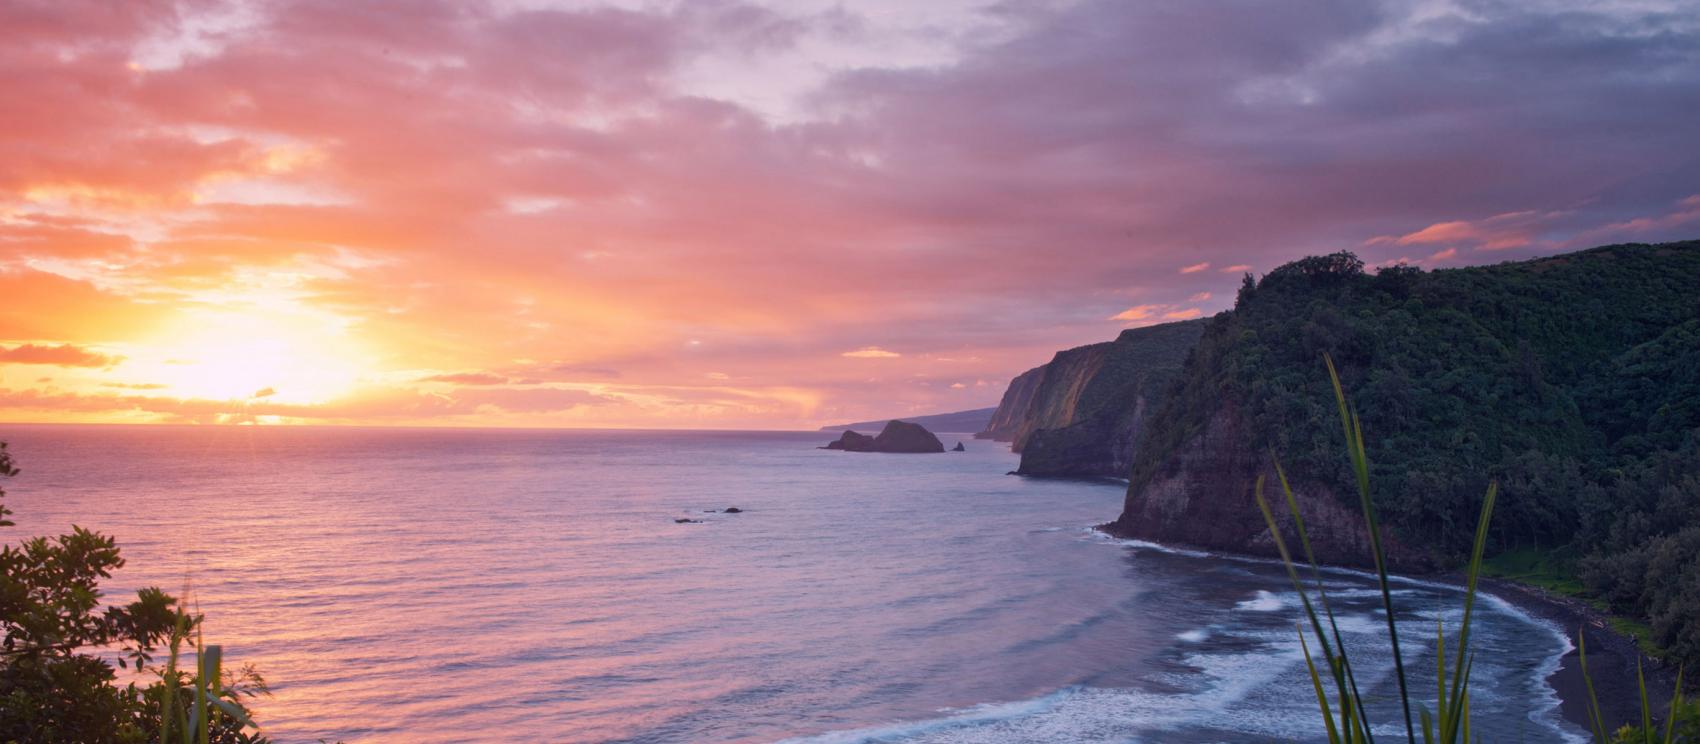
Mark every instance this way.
x=407 y=585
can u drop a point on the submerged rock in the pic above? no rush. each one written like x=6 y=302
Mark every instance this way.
x=734 y=510
x=685 y=520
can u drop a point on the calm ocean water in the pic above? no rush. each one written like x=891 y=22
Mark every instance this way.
x=459 y=586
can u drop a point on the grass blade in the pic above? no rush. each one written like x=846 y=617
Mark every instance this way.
x=1353 y=428
x=1646 y=708
x=1594 y=714
x=1675 y=703
x=1316 y=682
x=1458 y=679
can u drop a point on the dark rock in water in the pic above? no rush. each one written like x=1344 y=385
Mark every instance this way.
x=734 y=510
x=683 y=520
x=898 y=436
x=902 y=436
x=852 y=441
x=960 y=421
x=959 y=448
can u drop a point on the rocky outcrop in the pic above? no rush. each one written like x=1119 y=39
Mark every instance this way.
x=1203 y=496
x=896 y=437
x=959 y=448
x=1083 y=413
x=851 y=441
x=959 y=421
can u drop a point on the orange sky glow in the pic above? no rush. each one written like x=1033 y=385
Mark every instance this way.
x=742 y=214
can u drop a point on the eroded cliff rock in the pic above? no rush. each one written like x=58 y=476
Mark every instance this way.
x=1083 y=413
x=1015 y=407
x=1203 y=496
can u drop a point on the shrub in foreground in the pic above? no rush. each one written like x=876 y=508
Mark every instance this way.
x=57 y=681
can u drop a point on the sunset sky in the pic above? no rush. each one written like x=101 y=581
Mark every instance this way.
x=719 y=214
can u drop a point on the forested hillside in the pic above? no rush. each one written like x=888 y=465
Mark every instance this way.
x=1574 y=380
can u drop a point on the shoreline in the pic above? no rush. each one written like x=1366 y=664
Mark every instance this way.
x=1612 y=658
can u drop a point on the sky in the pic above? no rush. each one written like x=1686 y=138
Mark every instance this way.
x=725 y=214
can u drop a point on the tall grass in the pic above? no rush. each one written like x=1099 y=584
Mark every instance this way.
x=1344 y=715
x=198 y=708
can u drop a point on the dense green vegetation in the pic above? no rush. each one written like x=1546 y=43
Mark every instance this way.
x=57 y=685
x=1573 y=380
x=1444 y=718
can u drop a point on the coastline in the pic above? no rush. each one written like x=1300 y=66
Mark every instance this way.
x=1612 y=658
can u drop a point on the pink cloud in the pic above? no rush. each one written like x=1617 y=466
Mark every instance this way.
x=985 y=201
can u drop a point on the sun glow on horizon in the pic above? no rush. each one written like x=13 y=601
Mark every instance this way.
x=299 y=358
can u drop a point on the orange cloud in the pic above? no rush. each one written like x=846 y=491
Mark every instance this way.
x=467 y=378
x=1148 y=314
x=1138 y=312
x=871 y=352
x=63 y=355
x=347 y=211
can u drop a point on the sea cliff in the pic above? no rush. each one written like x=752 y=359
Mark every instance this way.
x=1572 y=382
x=1084 y=412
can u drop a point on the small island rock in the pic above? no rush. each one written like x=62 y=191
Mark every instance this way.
x=898 y=436
x=959 y=448
x=852 y=441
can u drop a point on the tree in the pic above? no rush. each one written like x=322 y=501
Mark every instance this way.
x=55 y=688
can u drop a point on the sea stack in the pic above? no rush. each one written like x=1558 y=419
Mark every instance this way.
x=959 y=448
x=897 y=437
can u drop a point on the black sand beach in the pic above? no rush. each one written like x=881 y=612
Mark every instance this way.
x=1611 y=659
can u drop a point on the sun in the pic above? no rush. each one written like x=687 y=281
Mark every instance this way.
x=281 y=356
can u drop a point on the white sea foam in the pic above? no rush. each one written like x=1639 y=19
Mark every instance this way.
x=1113 y=714
x=1196 y=635
x=1545 y=715
x=1265 y=601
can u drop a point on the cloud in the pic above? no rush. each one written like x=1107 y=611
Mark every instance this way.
x=589 y=188
x=1139 y=312
x=1195 y=268
x=264 y=393
x=467 y=378
x=1498 y=232
x=871 y=352
x=1148 y=314
x=63 y=355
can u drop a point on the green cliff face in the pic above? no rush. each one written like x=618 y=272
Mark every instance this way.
x=1103 y=409
x=1082 y=413
x=1574 y=380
